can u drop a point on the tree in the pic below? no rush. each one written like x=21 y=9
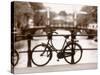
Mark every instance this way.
x=92 y=12
x=36 y=6
x=39 y=17
x=63 y=14
x=52 y=15
x=91 y=16
x=22 y=12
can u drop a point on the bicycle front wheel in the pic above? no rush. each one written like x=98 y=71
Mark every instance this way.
x=70 y=56
x=41 y=55
x=14 y=57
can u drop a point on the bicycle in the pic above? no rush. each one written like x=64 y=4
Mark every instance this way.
x=14 y=57
x=14 y=52
x=42 y=53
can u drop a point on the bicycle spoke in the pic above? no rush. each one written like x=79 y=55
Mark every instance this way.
x=69 y=47
x=42 y=57
x=15 y=58
x=75 y=53
x=72 y=59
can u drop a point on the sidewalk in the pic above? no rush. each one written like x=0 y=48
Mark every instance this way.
x=56 y=68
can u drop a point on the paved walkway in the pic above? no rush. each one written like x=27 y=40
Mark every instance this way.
x=56 y=68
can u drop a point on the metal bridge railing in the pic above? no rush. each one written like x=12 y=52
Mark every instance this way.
x=30 y=36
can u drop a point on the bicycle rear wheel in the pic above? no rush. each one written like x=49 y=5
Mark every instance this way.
x=41 y=55
x=68 y=53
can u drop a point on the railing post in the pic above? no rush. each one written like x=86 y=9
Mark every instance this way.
x=29 y=37
x=73 y=51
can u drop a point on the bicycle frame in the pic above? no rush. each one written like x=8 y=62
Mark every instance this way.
x=50 y=44
x=65 y=42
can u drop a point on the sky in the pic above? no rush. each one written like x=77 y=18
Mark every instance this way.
x=63 y=7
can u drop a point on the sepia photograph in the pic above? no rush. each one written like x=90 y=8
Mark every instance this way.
x=48 y=37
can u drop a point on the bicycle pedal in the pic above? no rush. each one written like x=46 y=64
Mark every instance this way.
x=58 y=60
x=41 y=55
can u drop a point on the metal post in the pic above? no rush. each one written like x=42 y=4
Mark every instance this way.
x=74 y=18
x=29 y=51
x=48 y=15
x=72 y=39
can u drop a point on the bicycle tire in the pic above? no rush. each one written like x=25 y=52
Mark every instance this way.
x=70 y=56
x=33 y=51
x=12 y=58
